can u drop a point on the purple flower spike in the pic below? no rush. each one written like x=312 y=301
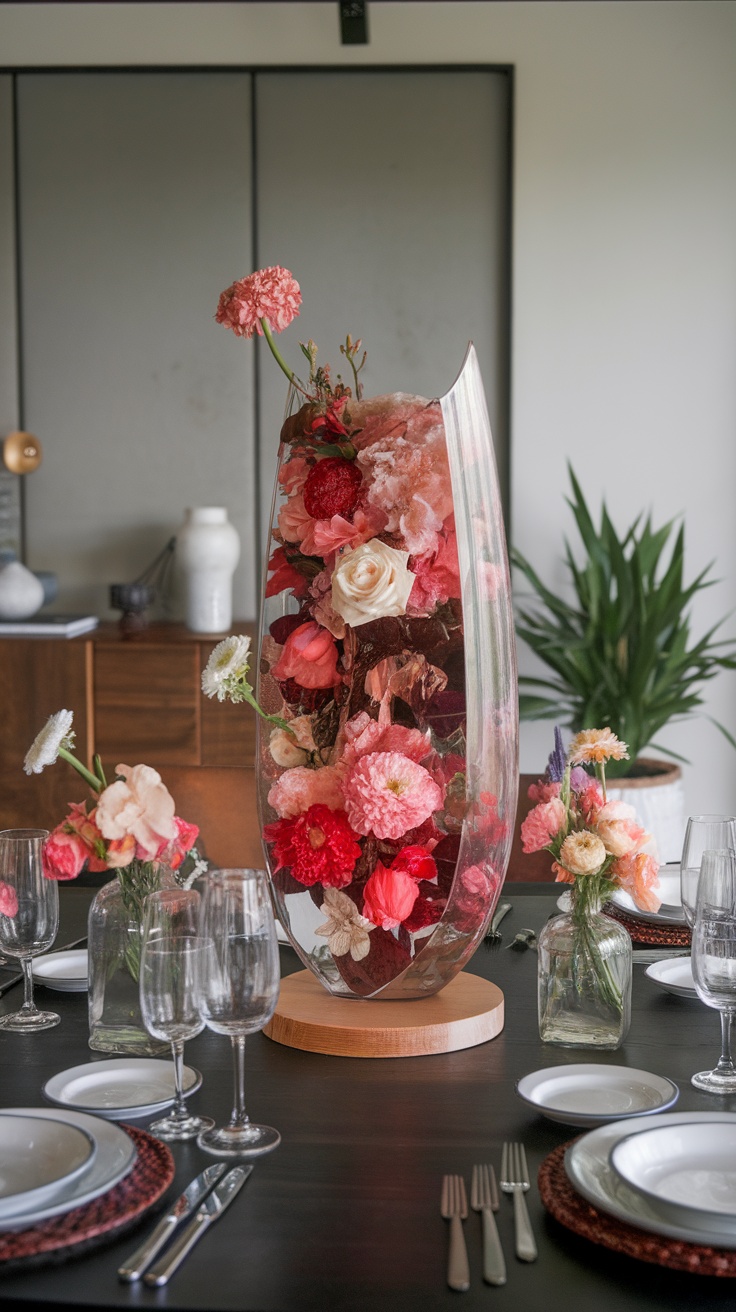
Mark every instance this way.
x=557 y=760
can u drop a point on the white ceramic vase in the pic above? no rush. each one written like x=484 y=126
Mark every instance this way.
x=21 y=593
x=208 y=548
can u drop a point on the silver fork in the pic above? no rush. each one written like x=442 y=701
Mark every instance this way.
x=515 y=1180
x=484 y=1199
x=455 y=1210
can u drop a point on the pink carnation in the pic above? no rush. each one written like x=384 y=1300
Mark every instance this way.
x=407 y=472
x=541 y=825
x=8 y=900
x=300 y=788
x=386 y=793
x=364 y=735
x=389 y=896
x=271 y=294
x=309 y=656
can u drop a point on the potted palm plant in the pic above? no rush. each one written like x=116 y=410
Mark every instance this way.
x=620 y=651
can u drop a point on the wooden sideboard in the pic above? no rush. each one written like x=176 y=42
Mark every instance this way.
x=135 y=697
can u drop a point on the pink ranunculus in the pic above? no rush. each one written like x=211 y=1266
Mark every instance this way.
x=8 y=900
x=271 y=294
x=616 y=826
x=309 y=656
x=138 y=804
x=64 y=854
x=389 y=896
x=542 y=824
x=300 y=788
x=294 y=520
x=638 y=874
x=387 y=794
x=364 y=735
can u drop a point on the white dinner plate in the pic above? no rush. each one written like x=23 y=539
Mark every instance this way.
x=687 y=1171
x=590 y=1172
x=670 y=912
x=592 y=1093
x=114 y=1158
x=121 y=1088
x=37 y=1158
x=64 y=971
x=675 y=975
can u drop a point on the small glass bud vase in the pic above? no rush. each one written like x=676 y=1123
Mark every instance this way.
x=114 y=939
x=584 y=976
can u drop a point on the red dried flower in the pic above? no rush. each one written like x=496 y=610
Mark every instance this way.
x=415 y=861
x=332 y=488
x=319 y=847
x=309 y=699
x=271 y=294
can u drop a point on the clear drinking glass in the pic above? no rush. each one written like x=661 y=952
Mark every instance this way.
x=704 y=833
x=172 y=961
x=32 y=928
x=240 y=987
x=714 y=958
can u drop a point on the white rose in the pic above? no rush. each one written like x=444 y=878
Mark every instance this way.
x=371 y=581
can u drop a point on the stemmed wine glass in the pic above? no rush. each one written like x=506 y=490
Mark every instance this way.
x=29 y=929
x=240 y=987
x=704 y=833
x=714 y=958
x=172 y=960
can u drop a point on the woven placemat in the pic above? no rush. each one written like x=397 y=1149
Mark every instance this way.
x=650 y=935
x=99 y=1221
x=571 y=1210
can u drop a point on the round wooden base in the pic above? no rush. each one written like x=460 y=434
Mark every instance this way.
x=468 y=1011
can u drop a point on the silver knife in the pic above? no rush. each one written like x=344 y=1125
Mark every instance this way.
x=185 y=1204
x=211 y=1210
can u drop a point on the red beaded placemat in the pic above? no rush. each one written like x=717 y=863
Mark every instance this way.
x=650 y=935
x=571 y=1210
x=102 y=1219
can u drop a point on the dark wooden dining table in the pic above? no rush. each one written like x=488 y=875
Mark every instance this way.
x=345 y=1214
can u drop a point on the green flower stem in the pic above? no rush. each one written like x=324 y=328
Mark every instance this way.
x=280 y=359
x=272 y=719
x=94 y=782
x=590 y=891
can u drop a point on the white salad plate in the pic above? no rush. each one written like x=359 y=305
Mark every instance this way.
x=674 y=975
x=670 y=912
x=121 y=1088
x=589 y=1170
x=65 y=971
x=114 y=1158
x=592 y=1094
x=683 y=1170
x=37 y=1158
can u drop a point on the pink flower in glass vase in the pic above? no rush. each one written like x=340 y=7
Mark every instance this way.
x=638 y=874
x=309 y=656
x=387 y=794
x=617 y=827
x=542 y=824
x=284 y=575
x=64 y=854
x=271 y=294
x=389 y=896
x=294 y=520
x=318 y=847
x=436 y=573
x=300 y=788
x=141 y=805
x=8 y=900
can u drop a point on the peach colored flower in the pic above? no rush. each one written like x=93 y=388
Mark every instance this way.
x=293 y=474
x=370 y=582
x=638 y=874
x=120 y=852
x=386 y=793
x=616 y=826
x=138 y=804
x=542 y=824
x=8 y=900
x=345 y=930
x=389 y=896
x=407 y=472
x=309 y=656
x=294 y=520
x=582 y=853
x=300 y=788
x=596 y=746
x=271 y=294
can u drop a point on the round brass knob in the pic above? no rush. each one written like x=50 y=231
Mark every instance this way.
x=22 y=453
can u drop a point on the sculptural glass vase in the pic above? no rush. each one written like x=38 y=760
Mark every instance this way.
x=387 y=650
x=114 y=954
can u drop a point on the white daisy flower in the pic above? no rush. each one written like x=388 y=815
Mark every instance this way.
x=44 y=750
x=346 y=930
x=226 y=668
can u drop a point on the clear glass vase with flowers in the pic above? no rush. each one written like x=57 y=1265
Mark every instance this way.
x=584 y=969
x=129 y=828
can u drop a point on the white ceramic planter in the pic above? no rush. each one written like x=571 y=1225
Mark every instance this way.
x=208 y=549
x=659 y=800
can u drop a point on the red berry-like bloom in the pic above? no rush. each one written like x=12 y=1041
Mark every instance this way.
x=318 y=847
x=332 y=488
x=415 y=861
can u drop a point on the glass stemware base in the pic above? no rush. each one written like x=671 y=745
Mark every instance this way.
x=715 y=1081
x=29 y=1020
x=177 y=1129
x=239 y=1140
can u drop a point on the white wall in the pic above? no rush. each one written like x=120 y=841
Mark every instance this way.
x=624 y=278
